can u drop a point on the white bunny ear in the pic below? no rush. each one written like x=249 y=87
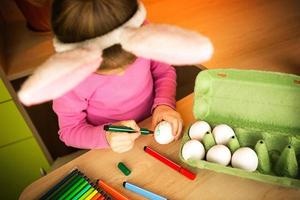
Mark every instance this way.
x=59 y=74
x=167 y=43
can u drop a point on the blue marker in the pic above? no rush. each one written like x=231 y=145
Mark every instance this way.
x=143 y=192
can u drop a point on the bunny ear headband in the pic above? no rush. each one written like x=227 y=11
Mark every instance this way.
x=73 y=62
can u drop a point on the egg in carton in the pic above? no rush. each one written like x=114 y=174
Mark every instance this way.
x=259 y=107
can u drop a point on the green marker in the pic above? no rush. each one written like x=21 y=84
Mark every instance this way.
x=82 y=192
x=264 y=164
x=64 y=187
x=74 y=189
x=71 y=187
x=92 y=189
x=124 y=169
x=233 y=144
x=70 y=176
x=208 y=140
x=125 y=129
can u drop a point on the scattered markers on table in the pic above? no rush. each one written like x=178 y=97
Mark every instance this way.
x=143 y=192
x=185 y=172
x=76 y=186
x=111 y=191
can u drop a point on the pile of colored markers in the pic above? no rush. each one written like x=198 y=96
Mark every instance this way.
x=76 y=186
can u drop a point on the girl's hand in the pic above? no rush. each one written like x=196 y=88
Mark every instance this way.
x=122 y=142
x=166 y=113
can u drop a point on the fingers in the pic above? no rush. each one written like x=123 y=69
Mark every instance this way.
x=168 y=114
x=179 y=130
x=176 y=127
x=155 y=121
x=121 y=149
x=134 y=136
x=122 y=142
x=121 y=137
x=174 y=123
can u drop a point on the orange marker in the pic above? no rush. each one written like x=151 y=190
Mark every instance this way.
x=111 y=191
x=101 y=198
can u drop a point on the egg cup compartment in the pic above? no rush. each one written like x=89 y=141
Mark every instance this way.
x=245 y=137
x=259 y=106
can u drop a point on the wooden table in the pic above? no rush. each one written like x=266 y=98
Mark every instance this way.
x=155 y=176
x=247 y=35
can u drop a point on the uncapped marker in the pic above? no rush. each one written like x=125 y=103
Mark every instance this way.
x=126 y=129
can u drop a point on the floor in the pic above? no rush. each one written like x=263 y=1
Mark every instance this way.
x=185 y=85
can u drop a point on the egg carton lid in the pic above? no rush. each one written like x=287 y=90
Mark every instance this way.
x=267 y=101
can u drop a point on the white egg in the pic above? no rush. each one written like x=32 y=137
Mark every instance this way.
x=245 y=158
x=219 y=154
x=163 y=133
x=193 y=149
x=222 y=134
x=198 y=130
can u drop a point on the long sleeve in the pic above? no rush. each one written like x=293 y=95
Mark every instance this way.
x=164 y=77
x=74 y=130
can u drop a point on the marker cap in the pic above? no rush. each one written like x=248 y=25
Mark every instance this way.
x=124 y=169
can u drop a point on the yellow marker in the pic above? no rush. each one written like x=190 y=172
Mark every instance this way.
x=86 y=194
x=91 y=195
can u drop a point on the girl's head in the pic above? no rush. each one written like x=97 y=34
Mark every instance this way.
x=79 y=20
x=105 y=23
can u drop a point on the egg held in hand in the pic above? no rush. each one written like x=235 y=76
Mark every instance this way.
x=193 y=149
x=163 y=133
x=199 y=129
x=219 y=154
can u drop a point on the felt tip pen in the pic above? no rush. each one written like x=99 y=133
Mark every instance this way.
x=125 y=129
x=55 y=188
x=111 y=191
x=170 y=163
x=145 y=193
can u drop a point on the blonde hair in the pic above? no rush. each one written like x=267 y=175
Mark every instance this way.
x=79 y=20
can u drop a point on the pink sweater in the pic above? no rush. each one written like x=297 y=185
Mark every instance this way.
x=102 y=99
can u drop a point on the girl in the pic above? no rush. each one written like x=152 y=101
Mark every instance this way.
x=125 y=88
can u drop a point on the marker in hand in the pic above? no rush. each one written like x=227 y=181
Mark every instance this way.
x=125 y=129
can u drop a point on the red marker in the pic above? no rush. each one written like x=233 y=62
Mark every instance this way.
x=170 y=163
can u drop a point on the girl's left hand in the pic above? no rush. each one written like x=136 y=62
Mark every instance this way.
x=166 y=113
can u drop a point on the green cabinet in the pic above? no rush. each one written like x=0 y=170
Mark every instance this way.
x=12 y=125
x=20 y=165
x=4 y=95
x=21 y=157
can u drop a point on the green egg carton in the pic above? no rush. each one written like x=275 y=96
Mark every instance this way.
x=259 y=106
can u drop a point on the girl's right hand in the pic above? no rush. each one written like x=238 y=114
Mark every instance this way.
x=122 y=142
